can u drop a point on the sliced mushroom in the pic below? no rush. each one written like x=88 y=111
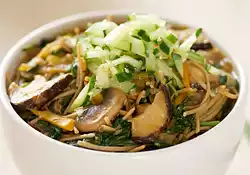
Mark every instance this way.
x=147 y=126
x=39 y=91
x=93 y=118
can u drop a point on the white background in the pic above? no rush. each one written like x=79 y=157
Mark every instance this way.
x=226 y=20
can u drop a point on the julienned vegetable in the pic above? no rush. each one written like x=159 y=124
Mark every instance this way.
x=135 y=86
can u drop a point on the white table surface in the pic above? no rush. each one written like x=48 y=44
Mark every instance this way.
x=232 y=16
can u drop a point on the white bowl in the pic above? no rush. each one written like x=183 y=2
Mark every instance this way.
x=37 y=154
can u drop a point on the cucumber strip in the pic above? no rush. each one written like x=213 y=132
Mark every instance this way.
x=93 y=67
x=97 y=41
x=159 y=33
x=102 y=76
x=85 y=45
x=129 y=60
x=117 y=35
x=97 y=54
x=82 y=98
x=178 y=63
x=150 y=58
x=125 y=86
x=141 y=25
x=123 y=45
x=137 y=46
x=91 y=86
x=99 y=29
x=167 y=71
x=187 y=44
x=153 y=19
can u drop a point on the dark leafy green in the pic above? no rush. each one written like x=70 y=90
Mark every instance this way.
x=52 y=131
x=179 y=121
x=121 y=139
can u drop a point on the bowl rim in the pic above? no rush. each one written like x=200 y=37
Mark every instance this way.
x=88 y=15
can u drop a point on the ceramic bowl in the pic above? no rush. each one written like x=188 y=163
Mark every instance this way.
x=37 y=154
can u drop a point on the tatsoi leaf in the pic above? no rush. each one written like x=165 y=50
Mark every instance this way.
x=123 y=138
x=53 y=131
x=179 y=121
x=123 y=76
x=172 y=38
x=164 y=47
x=198 y=32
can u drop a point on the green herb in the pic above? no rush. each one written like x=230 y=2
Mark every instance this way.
x=198 y=32
x=211 y=123
x=143 y=35
x=164 y=47
x=179 y=121
x=156 y=51
x=172 y=38
x=122 y=138
x=53 y=131
x=223 y=79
